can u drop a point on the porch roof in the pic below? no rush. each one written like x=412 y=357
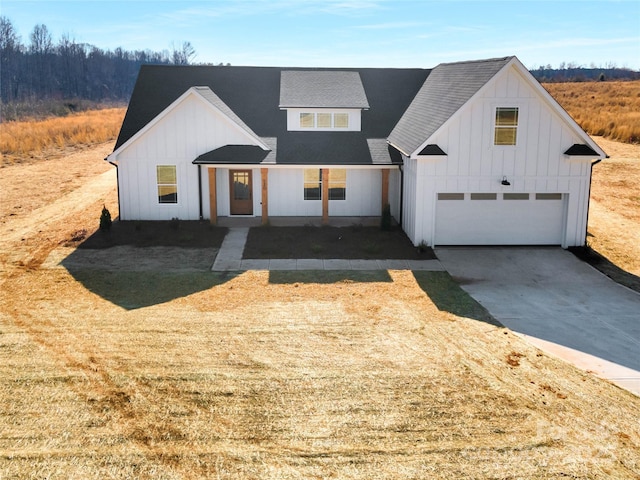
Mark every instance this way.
x=230 y=154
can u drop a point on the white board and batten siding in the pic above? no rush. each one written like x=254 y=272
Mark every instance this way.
x=187 y=131
x=286 y=194
x=473 y=164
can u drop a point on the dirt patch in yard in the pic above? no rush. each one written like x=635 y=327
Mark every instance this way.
x=355 y=242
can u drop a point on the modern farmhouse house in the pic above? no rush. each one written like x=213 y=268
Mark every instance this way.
x=469 y=153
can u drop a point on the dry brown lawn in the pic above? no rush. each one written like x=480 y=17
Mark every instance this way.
x=125 y=372
x=614 y=212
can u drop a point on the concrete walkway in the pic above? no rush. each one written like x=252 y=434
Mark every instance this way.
x=229 y=258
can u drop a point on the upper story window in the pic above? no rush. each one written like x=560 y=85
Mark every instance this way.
x=324 y=120
x=506 y=126
x=322 y=100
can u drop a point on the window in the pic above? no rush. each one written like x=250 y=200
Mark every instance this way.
x=484 y=196
x=338 y=184
x=167 y=184
x=307 y=120
x=506 y=126
x=341 y=120
x=313 y=184
x=516 y=196
x=451 y=196
x=548 y=196
x=324 y=120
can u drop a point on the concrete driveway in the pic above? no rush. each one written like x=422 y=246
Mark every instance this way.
x=559 y=303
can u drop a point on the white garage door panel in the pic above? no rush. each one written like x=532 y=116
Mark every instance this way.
x=499 y=222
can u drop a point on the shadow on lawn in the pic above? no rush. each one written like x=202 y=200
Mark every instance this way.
x=133 y=290
x=328 y=276
x=606 y=266
x=140 y=264
x=447 y=295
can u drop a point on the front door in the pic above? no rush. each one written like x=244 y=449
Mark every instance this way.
x=240 y=188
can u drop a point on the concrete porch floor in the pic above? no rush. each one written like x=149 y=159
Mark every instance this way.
x=242 y=221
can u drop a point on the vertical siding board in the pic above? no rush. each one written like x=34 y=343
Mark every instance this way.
x=222 y=191
x=453 y=139
x=465 y=141
x=408 y=216
x=516 y=85
x=476 y=146
x=394 y=193
x=533 y=134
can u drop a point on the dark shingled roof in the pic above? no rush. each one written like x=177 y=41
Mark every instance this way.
x=581 y=150
x=448 y=87
x=249 y=154
x=322 y=148
x=322 y=89
x=253 y=95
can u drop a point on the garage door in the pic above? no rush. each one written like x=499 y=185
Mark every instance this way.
x=499 y=219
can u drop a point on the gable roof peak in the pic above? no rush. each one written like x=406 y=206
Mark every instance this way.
x=503 y=60
x=444 y=92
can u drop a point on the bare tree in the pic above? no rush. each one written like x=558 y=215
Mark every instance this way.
x=10 y=50
x=40 y=61
x=70 y=70
x=41 y=42
x=182 y=55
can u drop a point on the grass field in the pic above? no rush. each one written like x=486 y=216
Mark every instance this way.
x=30 y=140
x=614 y=210
x=607 y=109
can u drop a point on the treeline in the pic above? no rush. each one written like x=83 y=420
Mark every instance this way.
x=42 y=70
x=575 y=73
x=46 y=77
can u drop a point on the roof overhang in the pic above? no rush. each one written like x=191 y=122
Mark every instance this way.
x=431 y=150
x=581 y=150
x=233 y=154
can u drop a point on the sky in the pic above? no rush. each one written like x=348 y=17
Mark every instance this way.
x=343 y=33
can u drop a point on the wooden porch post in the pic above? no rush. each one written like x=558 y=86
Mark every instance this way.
x=385 y=188
x=213 y=202
x=265 y=195
x=325 y=196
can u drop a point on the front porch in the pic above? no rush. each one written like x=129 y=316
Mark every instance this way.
x=275 y=197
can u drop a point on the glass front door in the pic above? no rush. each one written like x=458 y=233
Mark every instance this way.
x=240 y=188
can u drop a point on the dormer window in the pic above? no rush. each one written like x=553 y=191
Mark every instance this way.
x=322 y=100
x=324 y=121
